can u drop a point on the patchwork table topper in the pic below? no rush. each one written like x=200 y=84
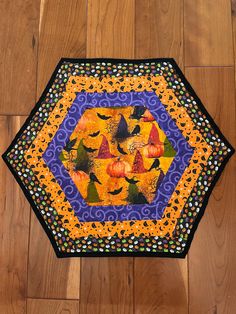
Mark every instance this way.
x=118 y=157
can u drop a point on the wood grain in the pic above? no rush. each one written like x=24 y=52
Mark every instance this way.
x=14 y=230
x=160 y=285
x=107 y=283
x=208 y=33
x=212 y=258
x=41 y=306
x=62 y=33
x=48 y=276
x=155 y=36
x=233 y=12
x=106 y=286
x=18 y=50
x=110 y=28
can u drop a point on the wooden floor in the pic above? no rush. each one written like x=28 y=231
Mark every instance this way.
x=34 y=35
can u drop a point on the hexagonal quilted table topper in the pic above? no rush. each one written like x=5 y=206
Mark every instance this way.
x=118 y=157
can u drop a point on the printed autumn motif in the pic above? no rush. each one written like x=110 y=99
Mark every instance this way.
x=54 y=158
x=154 y=148
x=138 y=165
x=118 y=169
x=104 y=150
x=125 y=148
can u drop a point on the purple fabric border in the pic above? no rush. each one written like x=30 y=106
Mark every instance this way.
x=154 y=210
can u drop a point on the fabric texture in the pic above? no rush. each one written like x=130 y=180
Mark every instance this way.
x=118 y=157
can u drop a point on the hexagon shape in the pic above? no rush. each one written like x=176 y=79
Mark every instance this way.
x=45 y=158
x=117 y=156
x=148 y=137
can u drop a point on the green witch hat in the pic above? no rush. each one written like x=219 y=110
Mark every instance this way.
x=82 y=158
x=92 y=193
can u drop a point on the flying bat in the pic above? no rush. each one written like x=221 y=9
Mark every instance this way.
x=131 y=181
x=120 y=150
x=94 y=134
x=115 y=192
x=103 y=117
x=89 y=149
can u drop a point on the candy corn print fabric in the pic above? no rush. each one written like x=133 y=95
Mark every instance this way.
x=118 y=157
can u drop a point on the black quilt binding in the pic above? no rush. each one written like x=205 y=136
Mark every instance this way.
x=106 y=254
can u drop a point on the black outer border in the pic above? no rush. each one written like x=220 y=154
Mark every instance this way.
x=106 y=254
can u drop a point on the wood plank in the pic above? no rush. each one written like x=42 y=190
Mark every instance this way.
x=212 y=258
x=233 y=11
x=62 y=33
x=48 y=276
x=160 y=285
x=159 y=38
x=110 y=28
x=208 y=33
x=107 y=283
x=47 y=306
x=18 y=50
x=14 y=229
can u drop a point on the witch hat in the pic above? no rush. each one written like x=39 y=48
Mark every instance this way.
x=138 y=166
x=135 y=196
x=82 y=159
x=132 y=193
x=122 y=130
x=104 y=150
x=154 y=136
x=92 y=193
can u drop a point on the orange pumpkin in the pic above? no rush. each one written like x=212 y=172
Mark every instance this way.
x=118 y=169
x=78 y=176
x=147 y=116
x=153 y=151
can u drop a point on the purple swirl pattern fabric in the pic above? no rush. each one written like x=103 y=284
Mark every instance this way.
x=154 y=210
